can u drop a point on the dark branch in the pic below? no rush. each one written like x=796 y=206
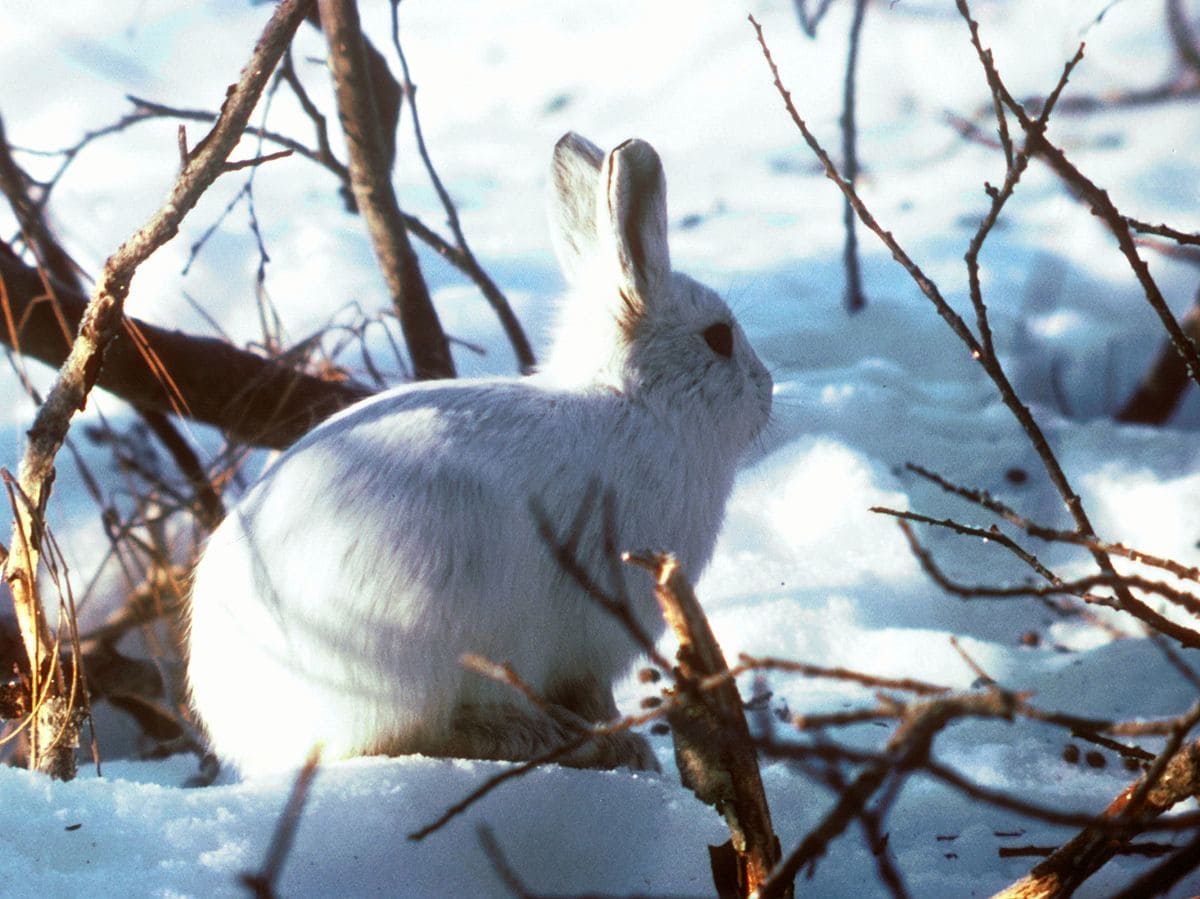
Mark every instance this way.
x=253 y=400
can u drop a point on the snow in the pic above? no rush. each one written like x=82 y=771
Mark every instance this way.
x=804 y=570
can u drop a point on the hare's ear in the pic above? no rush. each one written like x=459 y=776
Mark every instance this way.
x=575 y=174
x=632 y=215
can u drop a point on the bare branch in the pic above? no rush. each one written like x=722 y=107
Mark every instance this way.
x=254 y=400
x=455 y=254
x=980 y=351
x=855 y=300
x=263 y=883
x=1184 y=39
x=564 y=548
x=1119 y=583
x=921 y=688
x=370 y=177
x=928 y=287
x=499 y=303
x=1174 y=777
x=146 y=110
x=1159 y=879
x=713 y=749
x=1051 y=535
x=1097 y=198
x=256 y=161
x=908 y=750
x=991 y=535
x=585 y=736
x=324 y=154
x=810 y=20
x=495 y=855
x=1162 y=388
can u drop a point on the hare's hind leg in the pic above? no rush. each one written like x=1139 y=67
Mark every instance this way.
x=520 y=732
x=502 y=731
x=581 y=701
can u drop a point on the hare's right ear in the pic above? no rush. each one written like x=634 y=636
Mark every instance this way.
x=632 y=220
x=576 y=176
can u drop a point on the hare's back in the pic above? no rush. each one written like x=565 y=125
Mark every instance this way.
x=429 y=465
x=511 y=435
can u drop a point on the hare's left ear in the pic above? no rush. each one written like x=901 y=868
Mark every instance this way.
x=574 y=176
x=632 y=222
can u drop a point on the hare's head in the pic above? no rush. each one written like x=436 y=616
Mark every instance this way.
x=632 y=324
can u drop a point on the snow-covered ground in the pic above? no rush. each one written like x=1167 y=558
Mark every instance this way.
x=803 y=570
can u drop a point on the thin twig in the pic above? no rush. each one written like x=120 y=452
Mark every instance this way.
x=495 y=855
x=990 y=535
x=1096 y=197
x=499 y=303
x=1174 y=776
x=1120 y=584
x=928 y=287
x=1157 y=881
x=564 y=551
x=324 y=153
x=855 y=300
x=263 y=402
x=1051 y=535
x=263 y=882
x=909 y=685
x=987 y=360
x=1182 y=36
x=545 y=758
x=908 y=750
x=810 y=20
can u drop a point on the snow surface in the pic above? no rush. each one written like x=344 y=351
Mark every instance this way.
x=803 y=570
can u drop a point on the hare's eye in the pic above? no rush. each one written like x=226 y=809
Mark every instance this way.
x=719 y=338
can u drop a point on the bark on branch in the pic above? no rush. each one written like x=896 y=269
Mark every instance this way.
x=254 y=400
x=714 y=751
x=1158 y=395
x=369 y=175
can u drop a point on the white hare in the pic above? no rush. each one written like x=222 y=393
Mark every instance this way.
x=334 y=603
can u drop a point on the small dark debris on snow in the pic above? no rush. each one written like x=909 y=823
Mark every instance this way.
x=1016 y=475
x=557 y=103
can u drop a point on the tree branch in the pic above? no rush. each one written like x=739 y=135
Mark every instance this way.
x=257 y=401
x=715 y=754
x=855 y=300
x=499 y=303
x=370 y=177
x=1160 y=391
x=1174 y=778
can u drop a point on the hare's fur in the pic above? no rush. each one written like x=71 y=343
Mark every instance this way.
x=334 y=603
